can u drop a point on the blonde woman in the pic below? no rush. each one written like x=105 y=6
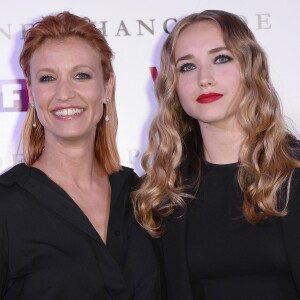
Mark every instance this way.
x=222 y=181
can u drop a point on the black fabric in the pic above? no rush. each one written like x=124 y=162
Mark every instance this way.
x=212 y=252
x=50 y=250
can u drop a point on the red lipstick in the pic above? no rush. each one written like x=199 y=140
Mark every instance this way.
x=208 y=98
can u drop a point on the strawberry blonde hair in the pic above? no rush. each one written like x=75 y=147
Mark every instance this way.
x=58 y=27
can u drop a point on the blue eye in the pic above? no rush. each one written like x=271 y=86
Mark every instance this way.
x=187 y=67
x=222 y=59
x=46 y=78
x=82 y=75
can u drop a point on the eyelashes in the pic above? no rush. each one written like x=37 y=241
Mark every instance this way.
x=187 y=67
x=46 y=78
x=220 y=59
x=80 y=76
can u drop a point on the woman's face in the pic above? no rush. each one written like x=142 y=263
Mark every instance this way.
x=209 y=81
x=67 y=88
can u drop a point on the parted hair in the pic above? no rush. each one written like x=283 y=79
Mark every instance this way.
x=267 y=157
x=59 y=27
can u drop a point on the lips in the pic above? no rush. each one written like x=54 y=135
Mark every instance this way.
x=208 y=98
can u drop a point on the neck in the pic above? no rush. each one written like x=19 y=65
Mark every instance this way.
x=69 y=162
x=221 y=145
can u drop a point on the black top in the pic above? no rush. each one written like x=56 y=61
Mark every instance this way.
x=50 y=250
x=228 y=258
x=211 y=252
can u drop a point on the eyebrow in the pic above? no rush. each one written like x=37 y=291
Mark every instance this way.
x=44 y=69
x=189 y=56
x=50 y=70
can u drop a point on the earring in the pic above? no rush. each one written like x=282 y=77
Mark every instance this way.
x=34 y=116
x=107 y=118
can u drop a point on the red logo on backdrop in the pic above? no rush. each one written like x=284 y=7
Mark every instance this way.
x=153 y=72
x=13 y=95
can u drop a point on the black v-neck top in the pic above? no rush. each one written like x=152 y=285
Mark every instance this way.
x=50 y=250
x=227 y=257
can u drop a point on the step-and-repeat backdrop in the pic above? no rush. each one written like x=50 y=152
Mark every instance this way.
x=136 y=30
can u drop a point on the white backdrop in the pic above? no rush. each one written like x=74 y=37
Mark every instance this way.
x=135 y=30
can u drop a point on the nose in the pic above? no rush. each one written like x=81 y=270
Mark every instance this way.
x=206 y=83
x=64 y=89
x=205 y=77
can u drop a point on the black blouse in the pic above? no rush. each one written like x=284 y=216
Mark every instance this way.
x=227 y=257
x=50 y=250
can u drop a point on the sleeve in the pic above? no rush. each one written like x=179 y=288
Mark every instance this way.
x=3 y=249
x=145 y=262
x=291 y=229
x=144 y=258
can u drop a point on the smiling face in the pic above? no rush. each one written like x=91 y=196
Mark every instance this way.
x=68 y=88
x=209 y=83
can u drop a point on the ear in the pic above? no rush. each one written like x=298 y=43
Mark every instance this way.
x=109 y=87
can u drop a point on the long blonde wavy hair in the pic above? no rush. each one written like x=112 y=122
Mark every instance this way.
x=60 y=26
x=267 y=155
